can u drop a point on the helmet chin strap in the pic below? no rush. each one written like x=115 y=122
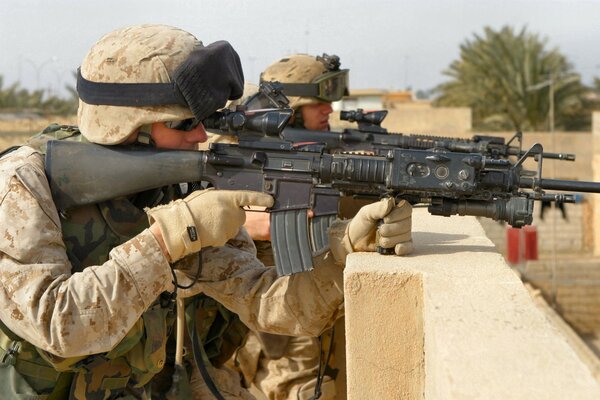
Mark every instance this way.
x=298 y=121
x=144 y=136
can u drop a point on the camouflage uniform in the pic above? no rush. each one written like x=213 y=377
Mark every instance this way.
x=86 y=293
x=110 y=303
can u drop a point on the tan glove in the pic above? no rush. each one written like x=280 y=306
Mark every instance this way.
x=362 y=233
x=204 y=218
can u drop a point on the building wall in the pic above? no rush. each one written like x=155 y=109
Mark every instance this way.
x=423 y=119
x=571 y=236
x=371 y=102
x=417 y=118
x=572 y=286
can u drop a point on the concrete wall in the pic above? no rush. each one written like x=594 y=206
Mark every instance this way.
x=452 y=321
x=424 y=119
x=568 y=272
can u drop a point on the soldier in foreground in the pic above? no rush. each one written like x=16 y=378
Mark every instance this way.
x=88 y=293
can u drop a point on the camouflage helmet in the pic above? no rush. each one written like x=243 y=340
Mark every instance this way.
x=144 y=74
x=145 y=53
x=307 y=69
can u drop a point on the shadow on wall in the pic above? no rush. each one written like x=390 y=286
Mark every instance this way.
x=429 y=243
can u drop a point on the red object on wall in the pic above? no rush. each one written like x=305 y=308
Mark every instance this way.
x=513 y=247
x=521 y=244
x=531 y=242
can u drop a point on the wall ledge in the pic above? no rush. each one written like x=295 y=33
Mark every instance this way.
x=452 y=321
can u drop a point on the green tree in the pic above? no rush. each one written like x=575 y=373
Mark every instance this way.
x=14 y=98
x=506 y=79
x=596 y=86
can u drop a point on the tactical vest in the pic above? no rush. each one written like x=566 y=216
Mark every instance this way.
x=89 y=233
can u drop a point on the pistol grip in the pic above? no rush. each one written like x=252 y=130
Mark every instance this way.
x=290 y=241
x=387 y=251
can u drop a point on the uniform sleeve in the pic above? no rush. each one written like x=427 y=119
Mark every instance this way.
x=303 y=304
x=66 y=314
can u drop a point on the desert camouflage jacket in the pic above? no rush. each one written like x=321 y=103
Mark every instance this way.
x=74 y=314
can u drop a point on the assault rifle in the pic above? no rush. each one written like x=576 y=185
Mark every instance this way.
x=450 y=183
x=370 y=136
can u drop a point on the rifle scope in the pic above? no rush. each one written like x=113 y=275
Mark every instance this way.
x=265 y=122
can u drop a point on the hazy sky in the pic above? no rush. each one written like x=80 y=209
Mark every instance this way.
x=386 y=44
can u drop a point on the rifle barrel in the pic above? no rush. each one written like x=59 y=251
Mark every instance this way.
x=560 y=156
x=563 y=185
x=555 y=156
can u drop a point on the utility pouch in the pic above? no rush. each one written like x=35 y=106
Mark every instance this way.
x=25 y=374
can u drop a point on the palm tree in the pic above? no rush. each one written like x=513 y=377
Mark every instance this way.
x=497 y=74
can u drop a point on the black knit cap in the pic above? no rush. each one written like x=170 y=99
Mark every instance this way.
x=209 y=77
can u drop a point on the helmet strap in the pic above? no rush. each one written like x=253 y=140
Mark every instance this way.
x=144 y=136
x=298 y=120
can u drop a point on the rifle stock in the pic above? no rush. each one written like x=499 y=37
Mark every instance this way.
x=107 y=172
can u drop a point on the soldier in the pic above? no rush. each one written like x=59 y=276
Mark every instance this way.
x=311 y=83
x=88 y=293
x=285 y=367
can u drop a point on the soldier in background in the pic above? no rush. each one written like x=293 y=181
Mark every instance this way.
x=285 y=367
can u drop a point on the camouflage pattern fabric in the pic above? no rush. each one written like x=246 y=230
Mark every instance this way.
x=282 y=367
x=290 y=376
x=89 y=234
x=135 y=54
x=296 y=68
x=99 y=310
x=227 y=380
x=226 y=332
x=264 y=252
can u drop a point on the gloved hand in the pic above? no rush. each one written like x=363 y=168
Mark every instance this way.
x=363 y=234
x=204 y=218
